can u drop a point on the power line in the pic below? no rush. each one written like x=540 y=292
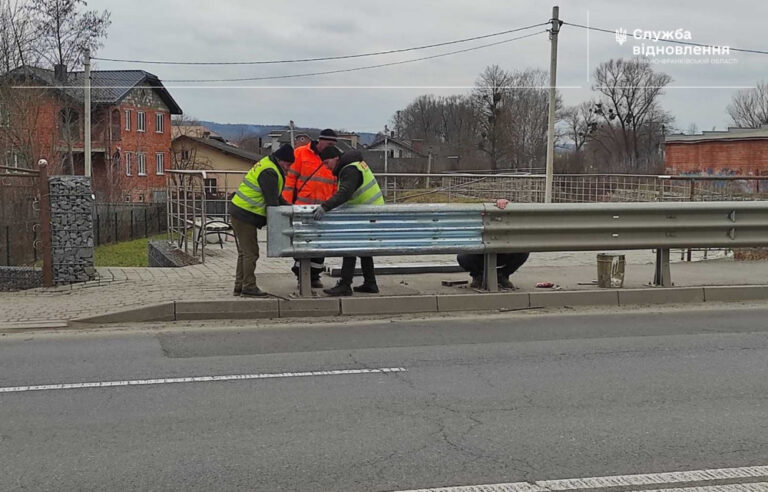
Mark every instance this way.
x=326 y=58
x=356 y=69
x=689 y=43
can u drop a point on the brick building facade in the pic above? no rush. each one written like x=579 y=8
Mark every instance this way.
x=130 y=130
x=735 y=152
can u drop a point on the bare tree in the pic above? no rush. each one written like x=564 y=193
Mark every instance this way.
x=749 y=107
x=580 y=121
x=64 y=31
x=490 y=90
x=630 y=114
x=525 y=107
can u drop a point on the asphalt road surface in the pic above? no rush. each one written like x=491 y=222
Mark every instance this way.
x=519 y=399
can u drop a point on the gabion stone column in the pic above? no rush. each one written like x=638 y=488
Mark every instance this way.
x=72 y=229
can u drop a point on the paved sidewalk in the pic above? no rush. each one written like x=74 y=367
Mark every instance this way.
x=123 y=288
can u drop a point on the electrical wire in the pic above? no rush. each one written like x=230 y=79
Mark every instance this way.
x=326 y=58
x=356 y=69
x=741 y=50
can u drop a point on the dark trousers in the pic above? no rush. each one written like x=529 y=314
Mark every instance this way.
x=348 y=269
x=318 y=267
x=506 y=264
x=247 y=253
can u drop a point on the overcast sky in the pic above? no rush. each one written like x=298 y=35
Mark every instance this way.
x=237 y=30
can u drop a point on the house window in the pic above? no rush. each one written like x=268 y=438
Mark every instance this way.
x=127 y=164
x=115 y=125
x=184 y=155
x=159 y=121
x=160 y=163
x=210 y=185
x=141 y=160
x=141 y=198
x=5 y=117
x=127 y=120
x=127 y=198
x=141 y=123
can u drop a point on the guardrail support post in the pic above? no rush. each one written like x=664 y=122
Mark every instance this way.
x=305 y=277
x=663 y=275
x=490 y=276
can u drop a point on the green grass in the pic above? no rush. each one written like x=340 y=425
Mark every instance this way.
x=125 y=254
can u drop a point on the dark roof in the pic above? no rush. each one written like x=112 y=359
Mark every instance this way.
x=396 y=141
x=732 y=134
x=107 y=86
x=229 y=149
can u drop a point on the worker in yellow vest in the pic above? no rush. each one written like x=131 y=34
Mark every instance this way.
x=357 y=186
x=261 y=188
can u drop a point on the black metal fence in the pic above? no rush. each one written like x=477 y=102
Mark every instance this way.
x=116 y=222
x=19 y=218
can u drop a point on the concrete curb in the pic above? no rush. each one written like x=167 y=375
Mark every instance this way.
x=392 y=305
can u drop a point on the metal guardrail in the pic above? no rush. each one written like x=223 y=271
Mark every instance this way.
x=484 y=229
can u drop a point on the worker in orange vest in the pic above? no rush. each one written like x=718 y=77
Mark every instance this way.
x=309 y=182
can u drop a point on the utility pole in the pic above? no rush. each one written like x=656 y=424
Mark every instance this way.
x=292 y=127
x=552 y=101
x=87 y=65
x=386 y=153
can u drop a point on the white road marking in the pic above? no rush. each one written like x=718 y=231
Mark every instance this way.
x=697 y=479
x=197 y=379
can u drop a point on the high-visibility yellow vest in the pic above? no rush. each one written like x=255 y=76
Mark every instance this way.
x=369 y=192
x=249 y=195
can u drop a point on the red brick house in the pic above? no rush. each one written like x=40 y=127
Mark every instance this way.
x=130 y=136
x=735 y=152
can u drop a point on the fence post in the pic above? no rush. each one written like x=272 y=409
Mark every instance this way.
x=45 y=224
x=8 y=245
x=146 y=231
x=115 y=228
x=132 y=238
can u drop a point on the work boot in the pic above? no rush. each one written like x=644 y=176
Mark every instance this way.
x=341 y=290
x=237 y=291
x=316 y=283
x=367 y=288
x=477 y=283
x=253 y=292
x=504 y=283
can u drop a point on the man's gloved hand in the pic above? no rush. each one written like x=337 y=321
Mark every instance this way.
x=318 y=213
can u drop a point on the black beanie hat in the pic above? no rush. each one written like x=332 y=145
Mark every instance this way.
x=284 y=153
x=328 y=134
x=330 y=152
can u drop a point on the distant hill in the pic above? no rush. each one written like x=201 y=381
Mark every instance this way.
x=236 y=131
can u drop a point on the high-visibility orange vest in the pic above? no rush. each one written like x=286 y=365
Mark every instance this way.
x=308 y=181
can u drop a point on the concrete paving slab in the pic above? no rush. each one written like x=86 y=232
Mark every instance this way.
x=481 y=302
x=300 y=308
x=608 y=297
x=660 y=295
x=736 y=293
x=388 y=305
x=237 y=309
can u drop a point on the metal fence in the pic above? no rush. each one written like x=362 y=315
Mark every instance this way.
x=19 y=217
x=115 y=222
x=198 y=199
x=570 y=188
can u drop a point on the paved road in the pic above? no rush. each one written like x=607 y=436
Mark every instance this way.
x=411 y=404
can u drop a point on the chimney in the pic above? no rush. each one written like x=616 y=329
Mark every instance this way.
x=60 y=73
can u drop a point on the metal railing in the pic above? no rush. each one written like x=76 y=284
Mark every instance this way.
x=197 y=197
x=485 y=229
x=571 y=188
